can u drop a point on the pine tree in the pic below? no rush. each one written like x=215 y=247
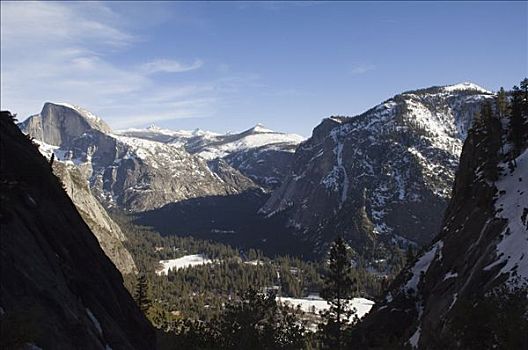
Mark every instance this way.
x=337 y=290
x=524 y=89
x=410 y=255
x=491 y=128
x=502 y=103
x=142 y=294
x=519 y=118
x=257 y=322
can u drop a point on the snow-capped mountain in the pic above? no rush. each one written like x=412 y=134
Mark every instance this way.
x=384 y=174
x=259 y=153
x=132 y=173
x=476 y=270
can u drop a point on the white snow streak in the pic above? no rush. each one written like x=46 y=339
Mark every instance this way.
x=95 y=321
x=422 y=265
x=512 y=204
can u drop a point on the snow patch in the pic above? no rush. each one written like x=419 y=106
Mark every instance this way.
x=183 y=262
x=450 y=275
x=413 y=341
x=317 y=304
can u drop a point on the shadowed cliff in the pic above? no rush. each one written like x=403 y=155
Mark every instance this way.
x=58 y=289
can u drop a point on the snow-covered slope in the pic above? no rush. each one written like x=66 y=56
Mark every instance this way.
x=256 y=137
x=465 y=87
x=385 y=174
x=512 y=205
x=133 y=173
x=155 y=133
x=259 y=153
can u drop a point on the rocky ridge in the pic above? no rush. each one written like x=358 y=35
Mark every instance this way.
x=384 y=175
x=261 y=154
x=476 y=262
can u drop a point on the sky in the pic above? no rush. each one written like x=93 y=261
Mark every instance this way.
x=226 y=66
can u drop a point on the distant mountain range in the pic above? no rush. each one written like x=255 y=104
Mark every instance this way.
x=138 y=169
x=259 y=153
x=380 y=178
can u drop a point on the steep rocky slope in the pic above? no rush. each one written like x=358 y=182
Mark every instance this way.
x=58 y=290
x=132 y=173
x=384 y=175
x=108 y=233
x=259 y=153
x=469 y=287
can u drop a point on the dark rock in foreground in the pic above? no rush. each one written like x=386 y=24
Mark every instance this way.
x=58 y=289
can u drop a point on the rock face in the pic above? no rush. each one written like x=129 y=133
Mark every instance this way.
x=108 y=233
x=482 y=248
x=58 y=289
x=61 y=123
x=135 y=174
x=261 y=154
x=384 y=175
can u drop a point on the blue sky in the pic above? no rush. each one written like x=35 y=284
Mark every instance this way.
x=225 y=66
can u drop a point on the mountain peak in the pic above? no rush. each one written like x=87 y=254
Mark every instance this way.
x=60 y=123
x=260 y=128
x=153 y=127
x=94 y=121
x=83 y=112
x=465 y=86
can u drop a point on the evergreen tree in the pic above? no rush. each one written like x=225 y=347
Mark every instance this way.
x=519 y=118
x=338 y=289
x=496 y=320
x=502 y=103
x=524 y=89
x=491 y=132
x=410 y=255
x=142 y=293
x=257 y=322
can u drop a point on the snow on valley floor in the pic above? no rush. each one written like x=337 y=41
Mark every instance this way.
x=311 y=304
x=183 y=262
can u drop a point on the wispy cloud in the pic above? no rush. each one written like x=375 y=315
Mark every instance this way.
x=51 y=24
x=169 y=66
x=66 y=52
x=359 y=69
